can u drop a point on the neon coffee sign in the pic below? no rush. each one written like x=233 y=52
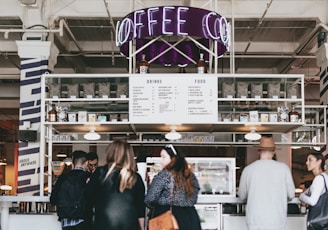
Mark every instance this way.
x=173 y=21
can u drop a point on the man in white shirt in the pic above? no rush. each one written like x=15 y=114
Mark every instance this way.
x=266 y=186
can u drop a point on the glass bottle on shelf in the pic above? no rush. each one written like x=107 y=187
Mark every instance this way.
x=52 y=114
x=293 y=115
x=201 y=65
x=143 y=66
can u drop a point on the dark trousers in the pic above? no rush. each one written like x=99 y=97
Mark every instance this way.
x=80 y=226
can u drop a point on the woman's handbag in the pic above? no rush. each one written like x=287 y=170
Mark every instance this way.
x=318 y=214
x=165 y=221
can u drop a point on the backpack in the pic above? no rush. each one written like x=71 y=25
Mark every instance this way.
x=71 y=203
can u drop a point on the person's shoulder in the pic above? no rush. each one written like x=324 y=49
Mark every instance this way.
x=322 y=176
x=102 y=168
x=281 y=164
x=164 y=172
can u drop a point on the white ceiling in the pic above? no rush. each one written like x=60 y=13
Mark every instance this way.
x=277 y=36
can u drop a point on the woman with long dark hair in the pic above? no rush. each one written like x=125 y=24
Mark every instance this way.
x=175 y=185
x=316 y=164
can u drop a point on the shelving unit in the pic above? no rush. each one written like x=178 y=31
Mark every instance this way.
x=113 y=106
x=114 y=113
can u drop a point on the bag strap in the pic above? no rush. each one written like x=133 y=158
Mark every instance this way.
x=171 y=197
x=171 y=192
x=324 y=180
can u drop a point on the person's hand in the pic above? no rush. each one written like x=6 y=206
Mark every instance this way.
x=303 y=203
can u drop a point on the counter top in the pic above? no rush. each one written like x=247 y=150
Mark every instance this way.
x=24 y=198
x=210 y=199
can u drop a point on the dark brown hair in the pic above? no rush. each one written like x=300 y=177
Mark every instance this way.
x=180 y=168
x=321 y=157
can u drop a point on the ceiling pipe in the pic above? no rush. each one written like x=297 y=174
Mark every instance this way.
x=257 y=26
x=324 y=26
x=303 y=45
x=70 y=33
x=256 y=29
x=113 y=31
x=58 y=30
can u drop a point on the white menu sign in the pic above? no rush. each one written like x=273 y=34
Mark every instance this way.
x=173 y=100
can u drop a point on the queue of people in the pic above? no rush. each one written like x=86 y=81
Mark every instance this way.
x=116 y=192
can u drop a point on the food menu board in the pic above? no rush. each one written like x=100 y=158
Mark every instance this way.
x=186 y=99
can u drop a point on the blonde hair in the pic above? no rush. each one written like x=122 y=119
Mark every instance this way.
x=120 y=155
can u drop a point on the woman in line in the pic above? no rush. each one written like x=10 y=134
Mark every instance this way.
x=117 y=191
x=316 y=163
x=175 y=171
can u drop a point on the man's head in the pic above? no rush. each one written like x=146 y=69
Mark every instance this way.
x=92 y=161
x=266 y=147
x=79 y=158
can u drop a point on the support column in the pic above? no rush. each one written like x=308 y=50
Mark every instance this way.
x=322 y=61
x=37 y=58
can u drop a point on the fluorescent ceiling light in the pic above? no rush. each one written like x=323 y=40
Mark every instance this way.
x=61 y=155
x=173 y=135
x=253 y=135
x=92 y=135
x=6 y=187
x=296 y=147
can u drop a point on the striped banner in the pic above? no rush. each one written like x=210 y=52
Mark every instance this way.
x=30 y=111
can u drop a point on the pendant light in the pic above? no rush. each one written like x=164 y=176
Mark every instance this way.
x=92 y=135
x=173 y=134
x=252 y=135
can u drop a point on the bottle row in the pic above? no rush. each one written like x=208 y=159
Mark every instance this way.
x=62 y=114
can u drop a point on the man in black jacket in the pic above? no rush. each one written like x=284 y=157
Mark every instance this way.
x=69 y=194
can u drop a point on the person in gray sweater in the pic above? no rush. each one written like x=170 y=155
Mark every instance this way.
x=266 y=186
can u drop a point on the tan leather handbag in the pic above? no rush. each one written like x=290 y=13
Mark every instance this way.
x=165 y=221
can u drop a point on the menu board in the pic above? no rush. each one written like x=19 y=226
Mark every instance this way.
x=173 y=100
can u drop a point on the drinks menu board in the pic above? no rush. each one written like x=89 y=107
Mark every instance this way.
x=173 y=100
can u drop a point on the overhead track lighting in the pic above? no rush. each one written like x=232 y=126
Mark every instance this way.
x=252 y=135
x=92 y=135
x=173 y=134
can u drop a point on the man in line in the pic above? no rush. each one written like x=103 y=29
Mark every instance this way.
x=69 y=194
x=92 y=162
x=266 y=186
